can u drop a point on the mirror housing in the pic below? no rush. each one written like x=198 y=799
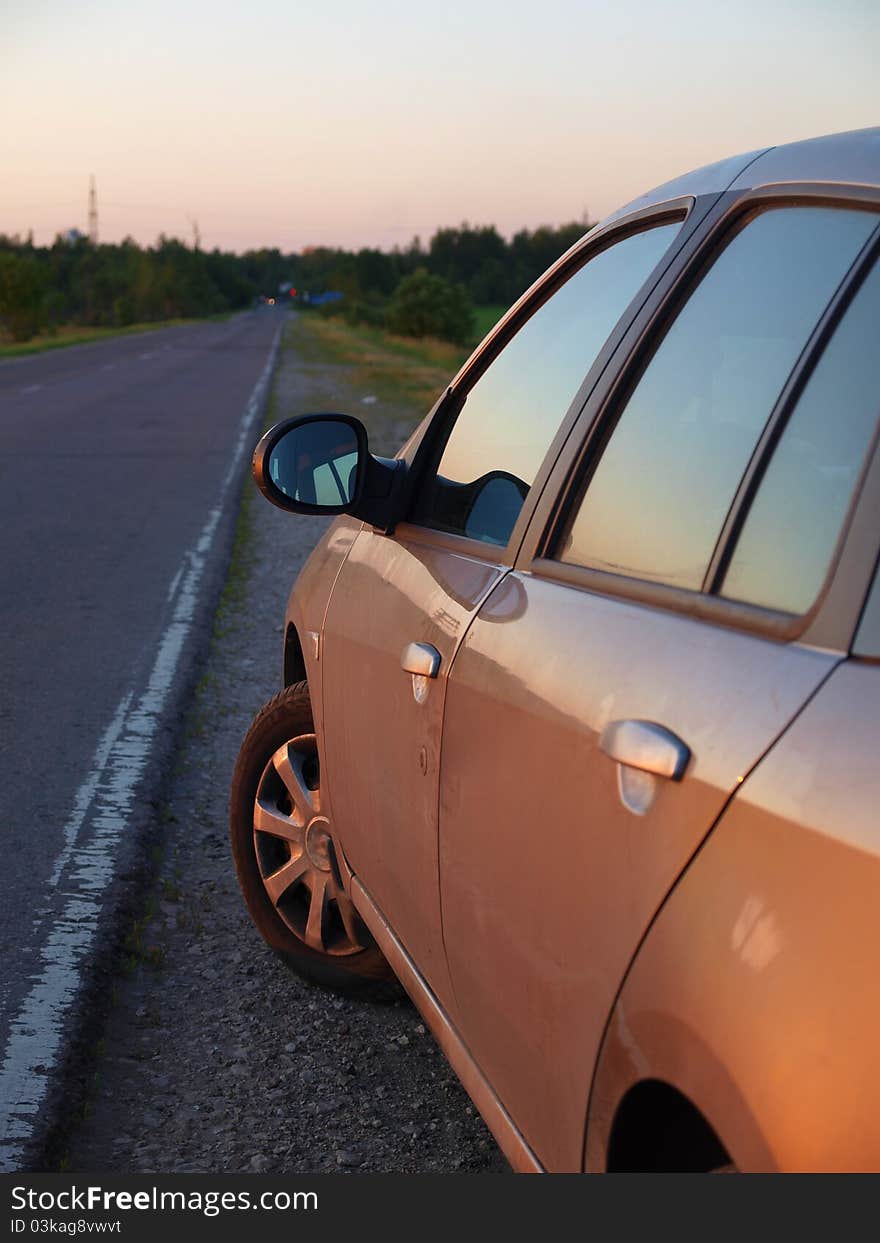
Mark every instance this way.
x=321 y=464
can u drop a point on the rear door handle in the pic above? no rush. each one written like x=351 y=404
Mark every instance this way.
x=647 y=746
x=420 y=659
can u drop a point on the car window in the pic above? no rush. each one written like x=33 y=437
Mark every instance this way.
x=656 y=502
x=512 y=412
x=783 y=553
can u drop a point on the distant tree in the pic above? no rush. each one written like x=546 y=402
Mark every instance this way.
x=465 y=255
x=491 y=285
x=376 y=272
x=22 y=290
x=425 y=305
x=73 y=281
x=532 y=252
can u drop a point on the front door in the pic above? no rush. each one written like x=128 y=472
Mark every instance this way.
x=383 y=724
x=424 y=584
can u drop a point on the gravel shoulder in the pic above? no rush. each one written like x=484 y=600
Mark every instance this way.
x=215 y=1057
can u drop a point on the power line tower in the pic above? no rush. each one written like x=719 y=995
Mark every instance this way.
x=93 y=211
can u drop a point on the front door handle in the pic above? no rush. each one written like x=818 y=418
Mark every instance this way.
x=420 y=659
x=646 y=746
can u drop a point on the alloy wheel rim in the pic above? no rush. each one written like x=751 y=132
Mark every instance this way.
x=292 y=844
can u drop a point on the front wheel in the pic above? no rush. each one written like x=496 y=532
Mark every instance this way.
x=282 y=847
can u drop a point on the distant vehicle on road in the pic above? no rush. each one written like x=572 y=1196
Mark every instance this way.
x=321 y=299
x=579 y=730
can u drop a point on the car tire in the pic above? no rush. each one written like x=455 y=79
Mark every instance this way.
x=284 y=856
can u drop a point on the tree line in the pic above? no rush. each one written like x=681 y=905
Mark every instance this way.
x=73 y=282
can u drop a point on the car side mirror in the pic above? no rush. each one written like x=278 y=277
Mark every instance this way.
x=321 y=464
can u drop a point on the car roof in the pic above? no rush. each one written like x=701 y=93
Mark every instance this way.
x=852 y=157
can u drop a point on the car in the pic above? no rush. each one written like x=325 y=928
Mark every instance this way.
x=578 y=733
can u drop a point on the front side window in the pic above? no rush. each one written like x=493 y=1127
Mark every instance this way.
x=514 y=409
x=658 y=498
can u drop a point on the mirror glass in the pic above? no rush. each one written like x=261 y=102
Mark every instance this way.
x=317 y=463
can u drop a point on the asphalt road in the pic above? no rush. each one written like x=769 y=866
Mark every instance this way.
x=119 y=472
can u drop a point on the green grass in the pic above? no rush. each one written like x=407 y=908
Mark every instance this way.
x=73 y=334
x=405 y=371
x=402 y=371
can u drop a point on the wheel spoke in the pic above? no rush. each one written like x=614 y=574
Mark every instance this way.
x=268 y=820
x=347 y=915
x=315 y=922
x=279 y=882
x=288 y=762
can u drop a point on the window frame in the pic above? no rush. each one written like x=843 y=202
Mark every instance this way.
x=831 y=619
x=425 y=450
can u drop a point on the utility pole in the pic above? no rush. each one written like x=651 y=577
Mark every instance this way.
x=93 y=211
x=197 y=237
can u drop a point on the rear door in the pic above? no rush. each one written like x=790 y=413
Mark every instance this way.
x=658 y=633
x=423 y=584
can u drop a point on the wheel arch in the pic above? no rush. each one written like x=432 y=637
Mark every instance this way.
x=662 y=1100
x=294 y=662
x=658 y=1129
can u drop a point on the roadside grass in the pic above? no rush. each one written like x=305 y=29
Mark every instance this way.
x=73 y=334
x=398 y=370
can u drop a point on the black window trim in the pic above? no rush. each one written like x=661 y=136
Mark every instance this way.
x=426 y=453
x=600 y=416
x=866 y=642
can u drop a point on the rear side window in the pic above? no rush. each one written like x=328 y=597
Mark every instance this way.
x=514 y=409
x=783 y=553
x=658 y=498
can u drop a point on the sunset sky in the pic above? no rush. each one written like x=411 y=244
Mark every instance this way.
x=288 y=124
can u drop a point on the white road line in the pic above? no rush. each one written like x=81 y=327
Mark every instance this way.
x=106 y=798
x=85 y=795
x=31 y=388
x=174 y=582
